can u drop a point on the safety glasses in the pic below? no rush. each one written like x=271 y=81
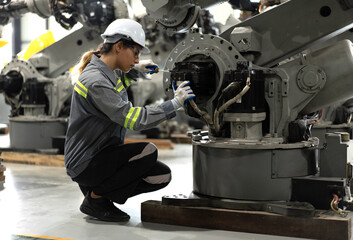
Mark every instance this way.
x=128 y=43
x=135 y=52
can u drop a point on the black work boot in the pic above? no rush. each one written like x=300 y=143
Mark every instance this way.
x=102 y=209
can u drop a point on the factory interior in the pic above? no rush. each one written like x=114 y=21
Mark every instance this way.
x=233 y=119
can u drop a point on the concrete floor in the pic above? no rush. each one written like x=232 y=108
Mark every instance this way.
x=41 y=200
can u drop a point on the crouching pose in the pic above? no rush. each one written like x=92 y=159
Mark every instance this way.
x=107 y=170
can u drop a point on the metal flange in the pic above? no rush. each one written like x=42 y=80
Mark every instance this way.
x=311 y=78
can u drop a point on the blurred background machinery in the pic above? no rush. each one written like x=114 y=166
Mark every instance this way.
x=37 y=84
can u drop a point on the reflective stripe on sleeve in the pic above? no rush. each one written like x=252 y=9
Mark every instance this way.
x=119 y=86
x=81 y=89
x=131 y=117
x=135 y=118
x=80 y=92
x=127 y=80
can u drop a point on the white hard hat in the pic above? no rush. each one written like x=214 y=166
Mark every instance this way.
x=127 y=28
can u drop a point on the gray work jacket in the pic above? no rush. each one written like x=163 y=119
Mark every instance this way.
x=100 y=110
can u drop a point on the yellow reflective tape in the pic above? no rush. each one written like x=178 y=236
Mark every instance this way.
x=121 y=88
x=80 y=92
x=83 y=87
x=128 y=116
x=127 y=82
x=117 y=86
x=135 y=118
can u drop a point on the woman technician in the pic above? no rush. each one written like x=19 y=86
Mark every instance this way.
x=106 y=169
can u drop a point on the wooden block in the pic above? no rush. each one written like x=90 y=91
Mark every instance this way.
x=4 y=130
x=34 y=158
x=2 y=178
x=180 y=138
x=319 y=227
x=58 y=160
x=160 y=143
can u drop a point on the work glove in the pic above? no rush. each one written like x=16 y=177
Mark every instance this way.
x=182 y=94
x=146 y=66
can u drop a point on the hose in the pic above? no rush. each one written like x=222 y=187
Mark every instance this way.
x=203 y=114
x=228 y=103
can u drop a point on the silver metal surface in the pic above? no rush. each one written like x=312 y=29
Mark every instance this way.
x=338 y=73
x=320 y=129
x=249 y=174
x=33 y=133
x=304 y=23
x=245 y=125
x=176 y=16
x=74 y=44
x=221 y=51
x=252 y=157
x=246 y=39
x=40 y=7
x=335 y=156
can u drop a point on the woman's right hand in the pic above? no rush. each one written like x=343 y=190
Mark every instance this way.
x=183 y=93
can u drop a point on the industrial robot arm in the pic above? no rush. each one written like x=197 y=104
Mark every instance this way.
x=257 y=86
x=176 y=16
x=93 y=14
